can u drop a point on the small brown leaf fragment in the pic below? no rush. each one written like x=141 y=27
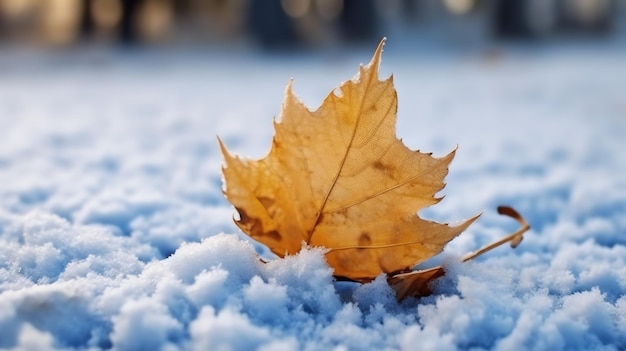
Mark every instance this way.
x=339 y=177
x=416 y=283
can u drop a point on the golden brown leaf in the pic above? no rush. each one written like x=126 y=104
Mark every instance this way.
x=338 y=177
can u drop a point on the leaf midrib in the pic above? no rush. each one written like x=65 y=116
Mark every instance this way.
x=374 y=65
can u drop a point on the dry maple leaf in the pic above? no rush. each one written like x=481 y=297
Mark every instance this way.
x=338 y=177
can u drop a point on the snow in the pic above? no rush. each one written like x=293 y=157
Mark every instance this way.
x=114 y=233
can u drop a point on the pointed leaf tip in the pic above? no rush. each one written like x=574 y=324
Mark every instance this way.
x=222 y=147
x=377 y=58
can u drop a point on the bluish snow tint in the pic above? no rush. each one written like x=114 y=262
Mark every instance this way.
x=112 y=219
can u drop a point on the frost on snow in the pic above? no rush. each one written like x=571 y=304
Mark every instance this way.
x=112 y=217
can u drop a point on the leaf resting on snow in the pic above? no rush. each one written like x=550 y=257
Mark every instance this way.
x=338 y=177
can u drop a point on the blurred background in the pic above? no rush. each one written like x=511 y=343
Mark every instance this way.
x=289 y=24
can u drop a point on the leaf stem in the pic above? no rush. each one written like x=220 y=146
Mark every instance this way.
x=515 y=238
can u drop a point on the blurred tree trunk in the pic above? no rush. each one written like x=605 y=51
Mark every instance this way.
x=86 y=21
x=128 y=27
x=269 y=24
x=359 y=20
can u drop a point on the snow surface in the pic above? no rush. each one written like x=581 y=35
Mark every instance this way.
x=112 y=219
